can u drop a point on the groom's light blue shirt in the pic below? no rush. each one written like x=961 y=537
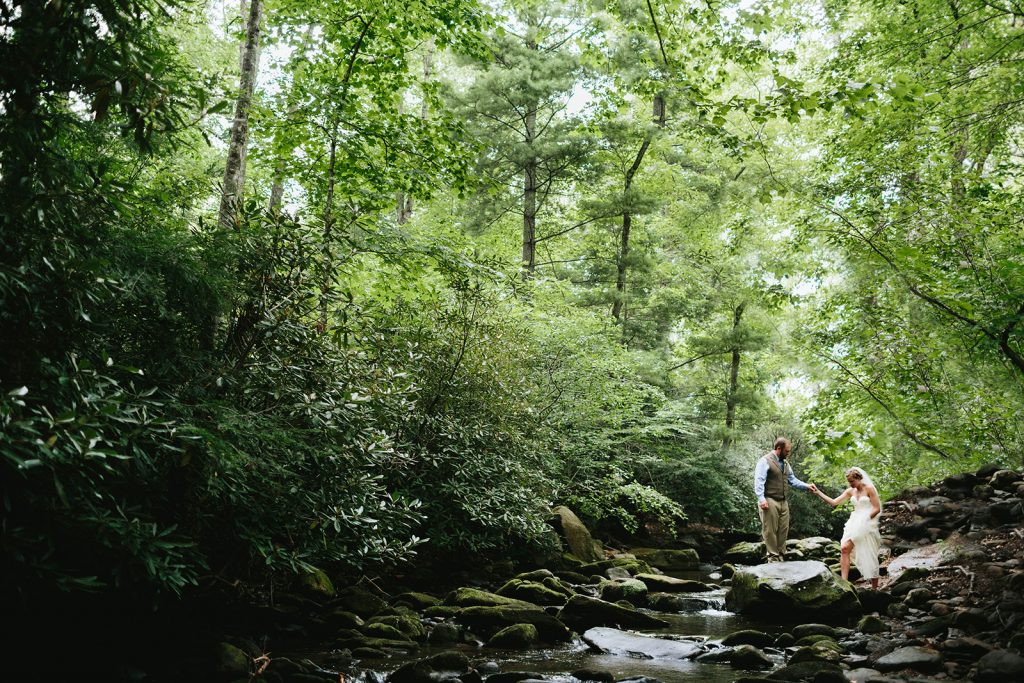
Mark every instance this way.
x=761 y=476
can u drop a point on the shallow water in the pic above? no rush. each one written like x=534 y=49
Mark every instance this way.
x=707 y=621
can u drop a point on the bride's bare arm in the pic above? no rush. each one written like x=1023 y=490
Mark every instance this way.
x=843 y=497
x=876 y=504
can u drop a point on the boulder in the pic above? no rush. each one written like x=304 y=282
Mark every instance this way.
x=316 y=584
x=488 y=620
x=804 y=588
x=999 y=666
x=408 y=625
x=1005 y=480
x=748 y=637
x=576 y=535
x=746 y=552
x=815 y=654
x=668 y=584
x=630 y=564
x=668 y=559
x=230 y=662
x=532 y=592
x=615 y=642
x=474 y=597
x=582 y=613
x=385 y=631
x=923 y=659
x=632 y=591
x=431 y=669
x=677 y=602
x=417 y=601
x=749 y=657
x=515 y=637
x=359 y=600
x=598 y=675
x=871 y=624
x=808 y=671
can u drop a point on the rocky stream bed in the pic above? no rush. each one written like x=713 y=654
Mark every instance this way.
x=950 y=608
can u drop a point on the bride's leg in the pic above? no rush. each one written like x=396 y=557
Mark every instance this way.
x=844 y=560
x=874 y=583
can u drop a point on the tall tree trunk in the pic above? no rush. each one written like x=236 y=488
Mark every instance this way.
x=404 y=201
x=234 y=171
x=658 y=114
x=734 y=373
x=328 y=261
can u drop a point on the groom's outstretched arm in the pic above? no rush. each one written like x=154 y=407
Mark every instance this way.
x=794 y=482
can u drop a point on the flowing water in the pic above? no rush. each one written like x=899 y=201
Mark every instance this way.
x=704 y=619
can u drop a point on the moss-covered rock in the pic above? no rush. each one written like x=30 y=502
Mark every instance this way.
x=230 y=662
x=316 y=584
x=533 y=592
x=577 y=536
x=408 y=625
x=341 y=618
x=869 y=623
x=808 y=671
x=668 y=584
x=515 y=637
x=474 y=597
x=815 y=654
x=582 y=613
x=632 y=591
x=378 y=630
x=749 y=657
x=442 y=611
x=668 y=559
x=431 y=669
x=417 y=601
x=359 y=600
x=748 y=637
x=632 y=565
x=488 y=620
x=805 y=589
x=746 y=552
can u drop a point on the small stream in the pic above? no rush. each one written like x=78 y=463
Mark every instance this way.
x=706 y=619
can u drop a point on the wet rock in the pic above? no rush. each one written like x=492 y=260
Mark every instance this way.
x=615 y=642
x=514 y=677
x=798 y=588
x=871 y=624
x=431 y=669
x=785 y=640
x=999 y=666
x=630 y=564
x=533 y=592
x=632 y=591
x=717 y=655
x=675 y=602
x=815 y=654
x=804 y=630
x=385 y=631
x=819 y=641
x=516 y=637
x=746 y=552
x=340 y=618
x=441 y=611
x=487 y=668
x=617 y=573
x=668 y=584
x=598 y=675
x=474 y=597
x=571 y=577
x=577 y=536
x=748 y=637
x=582 y=613
x=862 y=675
x=445 y=633
x=488 y=620
x=807 y=671
x=918 y=596
x=408 y=625
x=749 y=657
x=668 y=559
x=417 y=601
x=727 y=570
x=1005 y=480
x=923 y=659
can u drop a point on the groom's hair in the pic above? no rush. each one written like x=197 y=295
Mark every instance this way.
x=780 y=443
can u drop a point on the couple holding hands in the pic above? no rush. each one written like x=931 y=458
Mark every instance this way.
x=773 y=477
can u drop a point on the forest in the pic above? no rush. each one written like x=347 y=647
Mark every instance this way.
x=365 y=285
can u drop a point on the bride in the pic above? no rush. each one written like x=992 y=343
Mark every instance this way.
x=861 y=538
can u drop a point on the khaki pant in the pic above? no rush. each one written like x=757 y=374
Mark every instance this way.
x=775 y=528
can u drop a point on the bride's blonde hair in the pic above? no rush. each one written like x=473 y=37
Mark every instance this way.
x=856 y=472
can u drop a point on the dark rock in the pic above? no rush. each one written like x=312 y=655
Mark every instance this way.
x=805 y=671
x=441 y=611
x=599 y=675
x=474 y=597
x=514 y=677
x=727 y=570
x=668 y=559
x=340 y=618
x=918 y=596
x=821 y=641
x=358 y=600
x=999 y=666
x=785 y=640
x=316 y=584
x=930 y=627
x=571 y=577
x=717 y=655
x=986 y=471
x=746 y=552
x=428 y=670
x=492 y=619
x=964 y=480
x=871 y=624
x=632 y=591
x=804 y=630
x=749 y=657
x=582 y=613
x=925 y=660
x=533 y=592
x=748 y=637
x=815 y=654
x=445 y=633
x=515 y=637
x=230 y=662
x=1005 y=480
x=385 y=631
x=417 y=601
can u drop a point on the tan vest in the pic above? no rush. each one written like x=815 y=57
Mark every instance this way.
x=776 y=485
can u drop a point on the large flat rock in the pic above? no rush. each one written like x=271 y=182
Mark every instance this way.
x=615 y=642
x=800 y=589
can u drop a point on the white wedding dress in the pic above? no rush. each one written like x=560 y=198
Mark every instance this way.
x=863 y=531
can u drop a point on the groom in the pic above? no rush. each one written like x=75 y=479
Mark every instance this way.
x=772 y=479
